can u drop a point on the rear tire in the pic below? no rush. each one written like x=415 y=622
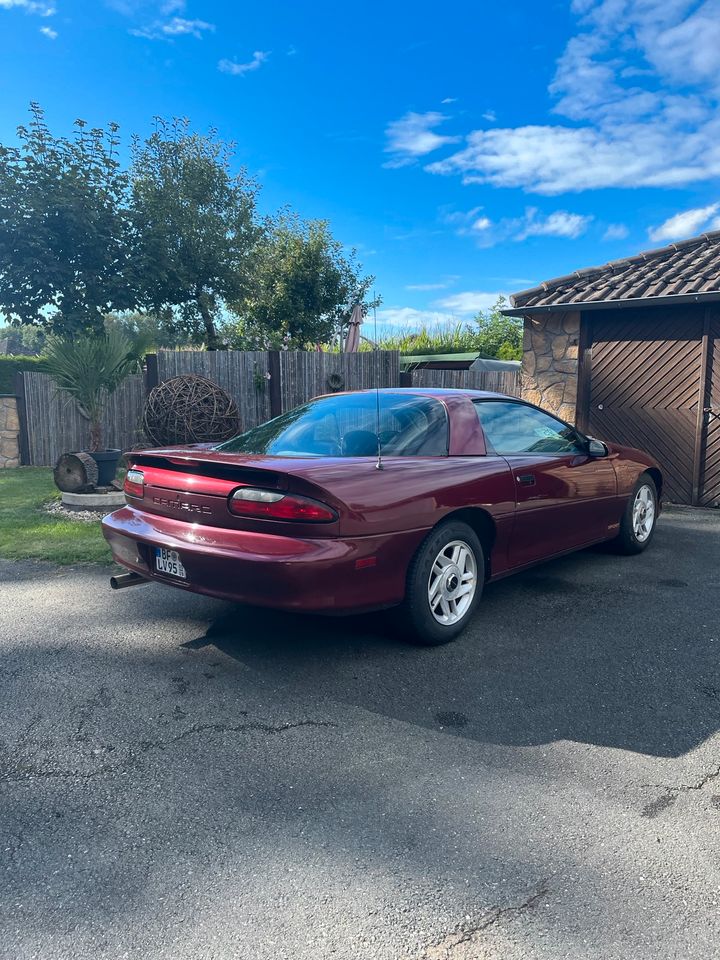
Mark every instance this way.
x=444 y=584
x=637 y=526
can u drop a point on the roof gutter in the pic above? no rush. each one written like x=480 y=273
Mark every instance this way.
x=584 y=306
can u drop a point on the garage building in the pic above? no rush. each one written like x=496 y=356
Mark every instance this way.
x=630 y=352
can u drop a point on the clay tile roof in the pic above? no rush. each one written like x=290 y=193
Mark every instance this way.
x=687 y=267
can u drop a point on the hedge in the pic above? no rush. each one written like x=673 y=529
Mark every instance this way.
x=9 y=366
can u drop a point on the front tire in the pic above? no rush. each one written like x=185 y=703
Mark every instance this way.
x=444 y=583
x=637 y=526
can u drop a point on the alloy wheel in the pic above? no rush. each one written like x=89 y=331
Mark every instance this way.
x=643 y=513
x=452 y=582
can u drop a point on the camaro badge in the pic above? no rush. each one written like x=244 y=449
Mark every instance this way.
x=181 y=505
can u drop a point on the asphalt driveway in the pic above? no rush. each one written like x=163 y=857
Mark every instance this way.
x=181 y=778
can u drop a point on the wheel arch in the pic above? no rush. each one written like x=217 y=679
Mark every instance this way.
x=483 y=525
x=657 y=479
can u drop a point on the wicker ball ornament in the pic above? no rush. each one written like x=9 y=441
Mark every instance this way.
x=189 y=409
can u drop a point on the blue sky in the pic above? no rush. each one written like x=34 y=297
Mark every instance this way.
x=465 y=149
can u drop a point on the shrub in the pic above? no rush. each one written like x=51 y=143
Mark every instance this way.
x=10 y=365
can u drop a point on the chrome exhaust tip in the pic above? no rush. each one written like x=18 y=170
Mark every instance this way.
x=120 y=580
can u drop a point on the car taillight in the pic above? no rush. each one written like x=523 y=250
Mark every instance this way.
x=134 y=485
x=271 y=505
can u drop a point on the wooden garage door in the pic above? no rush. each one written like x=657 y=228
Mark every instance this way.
x=645 y=381
x=710 y=481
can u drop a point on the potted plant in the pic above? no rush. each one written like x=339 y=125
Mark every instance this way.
x=89 y=369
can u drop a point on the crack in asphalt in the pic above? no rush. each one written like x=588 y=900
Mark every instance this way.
x=458 y=944
x=16 y=771
x=232 y=728
x=668 y=798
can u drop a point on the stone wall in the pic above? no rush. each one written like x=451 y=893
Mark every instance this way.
x=550 y=362
x=9 y=430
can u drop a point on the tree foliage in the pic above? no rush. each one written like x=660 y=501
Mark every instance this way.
x=173 y=242
x=195 y=226
x=64 y=228
x=497 y=335
x=23 y=339
x=148 y=329
x=305 y=287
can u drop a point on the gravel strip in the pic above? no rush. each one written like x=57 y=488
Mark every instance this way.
x=56 y=509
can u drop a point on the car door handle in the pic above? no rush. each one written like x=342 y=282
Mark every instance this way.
x=526 y=479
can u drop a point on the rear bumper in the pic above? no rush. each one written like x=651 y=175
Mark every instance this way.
x=265 y=569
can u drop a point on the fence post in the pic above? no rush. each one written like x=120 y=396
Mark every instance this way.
x=274 y=383
x=152 y=376
x=22 y=417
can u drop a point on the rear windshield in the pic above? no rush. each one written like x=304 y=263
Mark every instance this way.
x=347 y=426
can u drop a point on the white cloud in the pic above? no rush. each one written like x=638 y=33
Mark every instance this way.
x=616 y=231
x=640 y=82
x=240 y=69
x=174 y=27
x=490 y=116
x=408 y=318
x=685 y=224
x=449 y=100
x=49 y=33
x=559 y=223
x=29 y=6
x=179 y=26
x=444 y=312
x=440 y=285
x=470 y=301
x=413 y=137
x=552 y=160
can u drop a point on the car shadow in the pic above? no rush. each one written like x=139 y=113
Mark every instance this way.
x=594 y=648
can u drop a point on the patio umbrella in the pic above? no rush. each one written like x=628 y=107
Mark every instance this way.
x=352 y=341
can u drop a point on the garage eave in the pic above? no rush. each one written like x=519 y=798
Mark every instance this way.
x=588 y=305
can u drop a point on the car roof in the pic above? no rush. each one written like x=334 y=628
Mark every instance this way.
x=441 y=392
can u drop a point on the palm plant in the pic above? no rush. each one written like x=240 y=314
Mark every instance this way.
x=89 y=369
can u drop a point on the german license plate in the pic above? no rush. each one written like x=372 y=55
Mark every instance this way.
x=168 y=561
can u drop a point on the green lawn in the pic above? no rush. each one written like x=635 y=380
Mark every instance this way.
x=28 y=533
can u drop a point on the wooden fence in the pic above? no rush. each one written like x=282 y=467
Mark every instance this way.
x=499 y=381
x=263 y=384
x=307 y=375
x=243 y=374
x=53 y=424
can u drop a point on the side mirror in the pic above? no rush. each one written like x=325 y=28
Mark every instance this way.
x=596 y=448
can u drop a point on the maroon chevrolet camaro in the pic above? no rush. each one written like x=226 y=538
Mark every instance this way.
x=359 y=501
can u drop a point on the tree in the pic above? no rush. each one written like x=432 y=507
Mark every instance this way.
x=305 y=286
x=147 y=329
x=64 y=230
x=23 y=339
x=195 y=226
x=89 y=369
x=498 y=335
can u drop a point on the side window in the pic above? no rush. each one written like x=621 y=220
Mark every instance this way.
x=517 y=428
